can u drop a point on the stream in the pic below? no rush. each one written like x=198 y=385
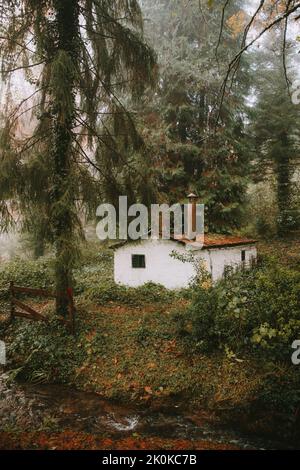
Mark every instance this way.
x=39 y=407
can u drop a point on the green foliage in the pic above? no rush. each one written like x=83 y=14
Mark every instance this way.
x=88 y=52
x=25 y=273
x=261 y=211
x=146 y=336
x=103 y=292
x=243 y=328
x=189 y=148
x=249 y=312
x=93 y=280
x=275 y=126
x=280 y=392
x=48 y=354
x=202 y=276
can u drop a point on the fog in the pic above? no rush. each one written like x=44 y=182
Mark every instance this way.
x=9 y=246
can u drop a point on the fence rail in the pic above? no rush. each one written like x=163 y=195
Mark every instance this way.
x=29 y=313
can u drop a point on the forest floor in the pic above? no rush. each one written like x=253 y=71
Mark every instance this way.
x=133 y=352
x=70 y=440
x=287 y=251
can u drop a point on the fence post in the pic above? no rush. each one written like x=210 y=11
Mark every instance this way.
x=12 y=305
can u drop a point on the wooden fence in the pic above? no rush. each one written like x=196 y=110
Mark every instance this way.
x=20 y=309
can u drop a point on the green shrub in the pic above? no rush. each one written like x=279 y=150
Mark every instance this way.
x=280 y=392
x=26 y=274
x=261 y=211
x=255 y=311
x=264 y=228
x=95 y=267
x=103 y=292
x=46 y=352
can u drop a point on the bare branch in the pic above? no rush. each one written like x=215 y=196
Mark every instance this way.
x=245 y=35
x=288 y=83
x=22 y=67
x=231 y=66
x=22 y=46
x=221 y=27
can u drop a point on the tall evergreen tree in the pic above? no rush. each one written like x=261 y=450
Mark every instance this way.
x=276 y=130
x=77 y=56
x=191 y=149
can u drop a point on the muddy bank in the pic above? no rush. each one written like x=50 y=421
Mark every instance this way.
x=57 y=417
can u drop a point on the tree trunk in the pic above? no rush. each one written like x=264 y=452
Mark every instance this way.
x=283 y=185
x=38 y=246
x=63 y=86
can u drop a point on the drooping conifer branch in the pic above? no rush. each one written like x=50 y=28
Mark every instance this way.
x=76 y=55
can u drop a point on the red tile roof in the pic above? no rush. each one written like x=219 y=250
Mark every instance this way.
x=217 y=241
x=210 y=241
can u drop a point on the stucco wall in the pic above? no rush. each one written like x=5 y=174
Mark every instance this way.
x=161 y=268
x=221 y=257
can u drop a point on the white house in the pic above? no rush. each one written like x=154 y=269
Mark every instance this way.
x=136 y=263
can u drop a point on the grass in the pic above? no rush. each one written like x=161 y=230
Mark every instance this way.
x=132 y=354
x=129 y=346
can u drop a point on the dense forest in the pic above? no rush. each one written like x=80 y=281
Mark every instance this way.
x=152 y=118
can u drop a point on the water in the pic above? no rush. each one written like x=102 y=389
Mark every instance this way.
x=54 y=407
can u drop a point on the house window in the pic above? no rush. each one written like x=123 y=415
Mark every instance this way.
x=138 y=261
x=243 y=256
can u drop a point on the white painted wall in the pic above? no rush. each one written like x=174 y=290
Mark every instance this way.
x=161 y=268
x=219 y=258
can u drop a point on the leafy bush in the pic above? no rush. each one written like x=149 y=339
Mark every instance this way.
x=264 y=228
x=26 y=274
x=46 y=352
x=261 y=211
x=255 y=311
x=103 y=292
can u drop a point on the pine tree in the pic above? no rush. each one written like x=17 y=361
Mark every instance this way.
x=77 y=55
x=190 y=149
x=275 y=123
